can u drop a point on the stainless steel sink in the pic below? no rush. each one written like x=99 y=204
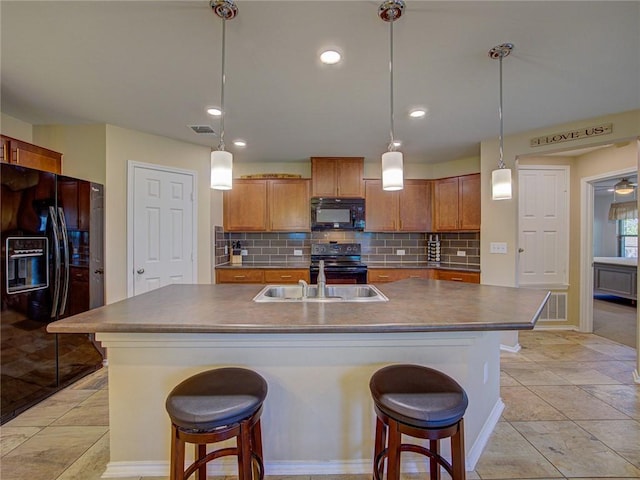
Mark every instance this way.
x=333 y=293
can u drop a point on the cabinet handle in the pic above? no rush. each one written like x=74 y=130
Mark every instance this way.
x=285 y=276
x=383 y=276
x=239 y=276
x=456 y=279
x=415 y=276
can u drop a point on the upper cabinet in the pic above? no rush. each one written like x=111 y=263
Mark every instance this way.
x=457 y=203
x=337 y=176
x=279 y=205
x=31 y=156
x=406 y=210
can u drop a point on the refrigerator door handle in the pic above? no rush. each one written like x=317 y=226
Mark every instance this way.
x=57 y=262
x=66 y=261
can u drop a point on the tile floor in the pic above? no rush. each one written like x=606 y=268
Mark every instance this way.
x=572 y=411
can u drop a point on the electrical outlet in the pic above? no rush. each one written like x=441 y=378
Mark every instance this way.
x=462 y=253
x=226 y=249
x=297 y=253
x=244 y=253
x=399 y=252
x=498 y=247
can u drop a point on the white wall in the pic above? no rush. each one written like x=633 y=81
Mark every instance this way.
x=123 y=145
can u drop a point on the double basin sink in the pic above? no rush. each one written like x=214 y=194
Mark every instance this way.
x=333 y=293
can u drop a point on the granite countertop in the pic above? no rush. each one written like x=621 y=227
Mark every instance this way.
x=415 y=305
x=434 y=265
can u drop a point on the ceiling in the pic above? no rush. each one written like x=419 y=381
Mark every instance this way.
x=154 y=66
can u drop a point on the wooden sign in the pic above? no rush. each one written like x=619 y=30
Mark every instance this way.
x=604 y=129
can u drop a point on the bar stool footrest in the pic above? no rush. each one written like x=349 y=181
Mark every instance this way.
x=410 y=447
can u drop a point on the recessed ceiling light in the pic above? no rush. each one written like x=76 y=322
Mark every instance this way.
x=214 y=111
x=330 y=57
x=240 y=143
x=418 y=113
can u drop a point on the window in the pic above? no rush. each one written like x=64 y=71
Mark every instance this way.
x=628 y=238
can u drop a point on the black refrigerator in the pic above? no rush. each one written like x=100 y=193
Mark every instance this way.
x=52 y=267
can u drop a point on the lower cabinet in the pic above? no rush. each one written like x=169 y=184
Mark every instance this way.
x=458 y=276
x=261 y=275
x=381 y=275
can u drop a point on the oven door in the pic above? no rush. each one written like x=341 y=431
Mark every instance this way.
x=340 y=275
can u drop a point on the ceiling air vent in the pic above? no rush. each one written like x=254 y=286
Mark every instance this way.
x=203 y=129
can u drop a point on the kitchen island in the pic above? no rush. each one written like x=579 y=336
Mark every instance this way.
x=316 y=357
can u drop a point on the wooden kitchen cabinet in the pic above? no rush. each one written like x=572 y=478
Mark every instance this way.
x=277 y=205
x=383 y=275
x=457 y=276
x=457 y=203
x=31 y=156
x=337 y=177
x=240 y=275
x=288 y=275
x=289 y=209
x=406 y=210
x=261 y=275
x=244 y=207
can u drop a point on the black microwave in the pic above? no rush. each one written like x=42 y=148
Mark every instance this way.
x=337 y=213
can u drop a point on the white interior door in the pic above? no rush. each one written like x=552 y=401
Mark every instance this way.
x=162 y=228
x=543 y=226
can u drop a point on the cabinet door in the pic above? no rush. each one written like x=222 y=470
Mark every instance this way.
x=458 y=276
x=289 y=209
x=245 y=206
x=240 y=275
x=382 y=275
x=381 y=208
x=288 y=275
x=337 y=177
x=414 y=206
x=350 y=172
x=323 y=177
x=446 y=204
x=469 y=198
x=31 y=156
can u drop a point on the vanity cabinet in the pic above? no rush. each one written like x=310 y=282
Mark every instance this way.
x=278 y=205
x=457 y=203
x=384 y=275
x=31 y=156
x=457 y=276
x=406 y=210
x=337 y=177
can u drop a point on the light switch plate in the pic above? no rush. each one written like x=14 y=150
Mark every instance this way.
x=498 y=247
x=462 y=253
x=244 y=253
x=297 y=253
x=399 y=252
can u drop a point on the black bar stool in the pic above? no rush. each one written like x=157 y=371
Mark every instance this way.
x=422 y=403
x=214 y=406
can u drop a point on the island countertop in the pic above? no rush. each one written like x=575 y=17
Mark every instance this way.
x=415 y=305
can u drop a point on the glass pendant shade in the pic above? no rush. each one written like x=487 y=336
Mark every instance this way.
x=392 y=177
x=501 y=184
x=221 y=170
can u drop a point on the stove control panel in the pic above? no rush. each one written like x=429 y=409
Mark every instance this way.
x=335 y=249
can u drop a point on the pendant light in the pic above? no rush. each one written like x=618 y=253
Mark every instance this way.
x=501 y=178
x=392 y=174
x=221 y=160
x=624 y=187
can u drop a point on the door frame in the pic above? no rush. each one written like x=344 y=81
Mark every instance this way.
x=131 y=166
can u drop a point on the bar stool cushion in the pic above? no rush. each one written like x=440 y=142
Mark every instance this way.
x=216 y=398
x=418 y=396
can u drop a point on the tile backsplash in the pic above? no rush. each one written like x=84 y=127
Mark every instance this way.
x=273 y=247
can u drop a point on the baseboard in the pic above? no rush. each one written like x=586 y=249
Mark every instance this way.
x=570 y=328
x=474 y=453
x=510 y=349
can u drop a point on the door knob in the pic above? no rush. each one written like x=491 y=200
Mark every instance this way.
x=520 y=250
x=99 y=271
x=140 y=271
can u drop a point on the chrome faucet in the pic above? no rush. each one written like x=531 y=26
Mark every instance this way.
x=305 y=287
x=322 y=280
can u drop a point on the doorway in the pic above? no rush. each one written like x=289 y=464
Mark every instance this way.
x=161 y=222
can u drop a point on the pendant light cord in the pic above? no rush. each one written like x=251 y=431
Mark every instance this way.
x=392 y=146
x=501 y=160
x=221 y=144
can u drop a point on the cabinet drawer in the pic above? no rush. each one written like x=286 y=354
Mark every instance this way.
x=458 y=276
x=286 y=275
x=240 y=275
x=380 y=275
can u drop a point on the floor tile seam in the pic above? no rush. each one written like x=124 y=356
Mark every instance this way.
x=82 y=454
x=605 y=402
x=553 y=407
x=23 y=441
x=561 y=475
